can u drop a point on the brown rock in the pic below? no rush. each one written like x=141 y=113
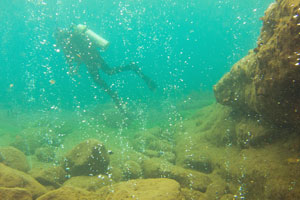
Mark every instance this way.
x=90 y=183
x=267 y=81
x=87 y=158
x=217 y=189
x=14 y=194
x=70 y=193
x=116 y=173
x=143 y=189
x=165 y=155
x=151 y=153
x=155 y=168
x=14 y=158
x=190 y=194
x=190 y=178
x=152 y=140
x=53 y=176
x=252 y=133
x=279 y=189
x=45 y=154
x=131 y=170
x=168 y=156
x=227 y=197
x=12 y=178
x=199 y=161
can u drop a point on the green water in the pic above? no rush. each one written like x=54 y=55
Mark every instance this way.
x=185 y=47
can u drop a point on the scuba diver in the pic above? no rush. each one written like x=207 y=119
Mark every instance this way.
x=80 y=46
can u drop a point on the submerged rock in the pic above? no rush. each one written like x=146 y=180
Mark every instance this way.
x=151 y=153
x=14 y=158
x=90 y=183
x=267 y=81
x=116 y=174
x=153 y=140
x=70 y=193
x=29 y=140
x=52 y=176
x=87 y=158
x=278 y=189
x=12 y=178
x=217 y=189
x=190 y=179
x=155 y=168
x=190 y=194
x=253 y=133
x=227 y=197
x=199 y=162
x=132 y=170
x=143 y=189
x=168 y=156
x=14 y=194
x=45 y=154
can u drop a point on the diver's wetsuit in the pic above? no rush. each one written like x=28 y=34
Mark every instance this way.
x=80 y=50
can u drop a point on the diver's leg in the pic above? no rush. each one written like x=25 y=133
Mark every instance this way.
x=115 y=70
x=131 y=67
x=93 y=70
x=150 y=83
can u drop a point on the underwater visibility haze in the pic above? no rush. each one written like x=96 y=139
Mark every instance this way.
x=188 y=99
x=184 y=44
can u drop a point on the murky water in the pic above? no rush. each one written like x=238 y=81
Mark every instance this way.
x=147 y=96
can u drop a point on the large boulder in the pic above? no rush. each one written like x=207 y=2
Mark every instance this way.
x=14 y=158
x=14 y=194
x=11 y=178
x=143 y=189
x=267 y=81
x=90 y=157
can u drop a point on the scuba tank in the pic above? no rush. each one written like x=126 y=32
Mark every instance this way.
x=94 y=37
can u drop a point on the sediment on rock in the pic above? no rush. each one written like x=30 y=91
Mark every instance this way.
x=267 y=80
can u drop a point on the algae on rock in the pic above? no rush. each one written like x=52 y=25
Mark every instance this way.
x=267 y=81
x=88 y=157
